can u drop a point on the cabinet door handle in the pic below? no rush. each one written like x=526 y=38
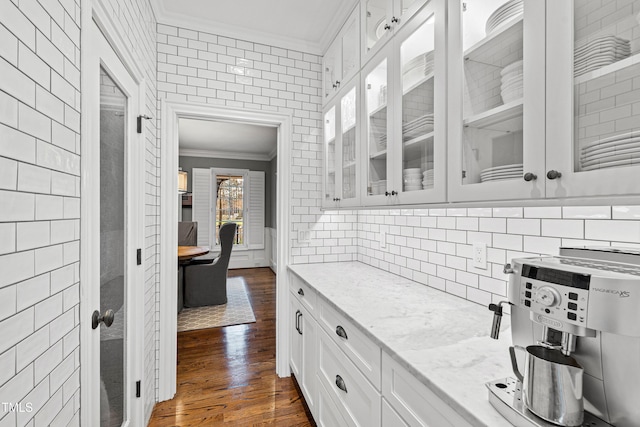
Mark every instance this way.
x=299 y=322
x=394 y=193
x=387 y=26
x=386 y=193
x=340 y=383
x=530 y=176
x=553 y=174
x=298 y=314
x=341 y=332
x=300 y=292
x=394 y=20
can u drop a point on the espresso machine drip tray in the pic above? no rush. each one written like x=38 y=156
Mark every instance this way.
x=506 y=396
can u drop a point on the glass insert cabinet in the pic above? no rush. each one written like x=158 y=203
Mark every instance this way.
x=511 y=100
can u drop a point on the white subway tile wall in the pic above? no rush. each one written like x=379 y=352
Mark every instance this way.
x=434 y=246
x=201 y=67
x=39 y=211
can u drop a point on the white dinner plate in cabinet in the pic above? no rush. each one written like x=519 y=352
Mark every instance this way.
x=611 y=164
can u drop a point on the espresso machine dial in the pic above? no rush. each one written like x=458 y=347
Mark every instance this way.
x=547 y=296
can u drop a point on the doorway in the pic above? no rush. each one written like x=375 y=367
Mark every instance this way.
x=172 y=112
x=112 y=232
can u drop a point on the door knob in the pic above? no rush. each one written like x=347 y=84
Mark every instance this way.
x=394 y=20
x=387 y=26
x=394 y=193
x=553 y=174
x=106 y=318
x=530 y=176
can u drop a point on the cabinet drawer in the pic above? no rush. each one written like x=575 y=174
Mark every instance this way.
x=363 y=352
x=328 y=412
x=305 y=294
x=390 y=417
x=350 y=390
x=415 y=403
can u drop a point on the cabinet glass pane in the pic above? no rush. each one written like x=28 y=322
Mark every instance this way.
x=330 y=72
x=406 y=4
x=375 y=22
x=350 y=47
x=348 y=122
x=606 y=84
x=493 y=90
x=376 y=129
x=330 y=153
x=417 y=64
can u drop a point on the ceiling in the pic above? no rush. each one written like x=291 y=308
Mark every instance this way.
x=304 y=25
x=226 y=140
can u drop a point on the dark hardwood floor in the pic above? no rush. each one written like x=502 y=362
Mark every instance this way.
x=226 y=376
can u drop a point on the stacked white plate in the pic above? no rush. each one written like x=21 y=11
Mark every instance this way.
x=411 y=178
x=422 y=63
x=417 y=127
x=511 y=82
x=498 y=173
x=598 y=53
x=502 y=14
x=618 y=150
x=427 y=180
x=378 y=187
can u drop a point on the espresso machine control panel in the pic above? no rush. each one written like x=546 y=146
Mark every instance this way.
x=555 y=296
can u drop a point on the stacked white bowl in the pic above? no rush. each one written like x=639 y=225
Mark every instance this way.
x=427 y=180
x=511 y=83
x=378 y=187
x=411 y=178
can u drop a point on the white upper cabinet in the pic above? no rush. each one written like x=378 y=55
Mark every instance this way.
x=342 y=60
x=381 y=19
x=496 y=99
x=341 y=148
x=404 y=109
x=593 y=97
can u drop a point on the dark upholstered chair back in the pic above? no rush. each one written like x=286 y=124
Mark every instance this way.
x=187 y=233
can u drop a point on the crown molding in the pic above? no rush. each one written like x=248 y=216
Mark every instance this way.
x=346 y=8
x=273 y=153
x=226 y=155
x=246 y=34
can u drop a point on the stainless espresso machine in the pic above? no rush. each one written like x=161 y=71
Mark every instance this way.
x=576 y=320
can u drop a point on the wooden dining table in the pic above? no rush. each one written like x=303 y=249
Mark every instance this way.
x=185 y=253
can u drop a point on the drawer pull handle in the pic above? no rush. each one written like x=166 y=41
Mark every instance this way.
x=298 y=316
x=340 y=383
x=341 y=332
x=300 y=292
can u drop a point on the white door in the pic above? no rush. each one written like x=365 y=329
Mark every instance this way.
x=112 y=233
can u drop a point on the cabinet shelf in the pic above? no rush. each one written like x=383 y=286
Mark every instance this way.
x=497 y=116
x=350 y=164
x=382 y=154
x=378 y=109
x=611 y=68
x=417 y=140
x=418 y=83
x=510 y=31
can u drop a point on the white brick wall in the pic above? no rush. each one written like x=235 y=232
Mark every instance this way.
x=39 y=211
x=434 y=246
x=201 y=67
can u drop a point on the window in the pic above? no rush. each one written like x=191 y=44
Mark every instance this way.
x=229 y=205
x=229 y=195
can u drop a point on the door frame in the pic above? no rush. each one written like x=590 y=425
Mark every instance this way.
x=171 y=112
x=95 y=11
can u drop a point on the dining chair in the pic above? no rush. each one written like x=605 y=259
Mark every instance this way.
x=206 y=284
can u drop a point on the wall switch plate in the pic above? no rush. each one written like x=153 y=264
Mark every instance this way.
x=480 y=255
x=304 y=236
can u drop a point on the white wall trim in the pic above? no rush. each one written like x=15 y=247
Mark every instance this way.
x=239 y=155
x=273 y=153
x=171 y=112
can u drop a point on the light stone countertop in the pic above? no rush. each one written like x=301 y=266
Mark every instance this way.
x=443 y=340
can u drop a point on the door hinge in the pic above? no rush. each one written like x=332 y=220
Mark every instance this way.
x=139 y=256
x=140 y=122
x=138 y=388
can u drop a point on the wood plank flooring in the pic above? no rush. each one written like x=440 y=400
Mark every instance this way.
x=226 y=376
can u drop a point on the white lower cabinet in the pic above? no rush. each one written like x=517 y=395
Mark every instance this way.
x=390 y=418
x=328 y=414
x=413 y=401
x=303 y=338
x=356 y=399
